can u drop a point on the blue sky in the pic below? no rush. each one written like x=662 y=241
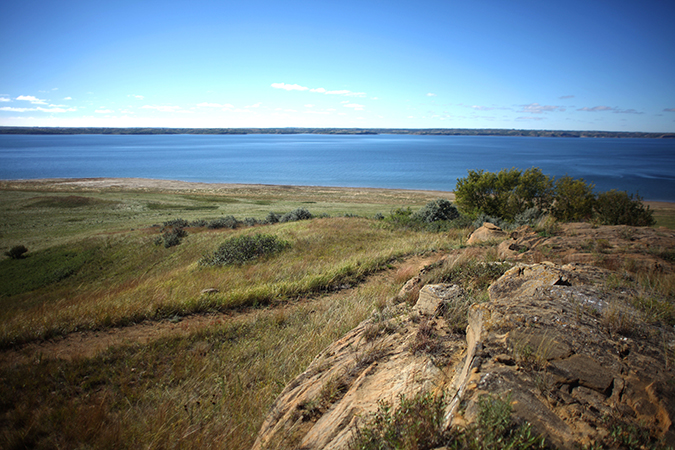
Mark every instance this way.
x=572 y=65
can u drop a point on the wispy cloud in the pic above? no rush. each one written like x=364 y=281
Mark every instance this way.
x=5 y=99
x=430 y=94
x=356 y=106
x=166 y=108
x=530 y=118
x=320 y=90
x=39 y=108
x=104 y=111
x=68 y=98
x=536 y=108
x=596 y=108
x=289 y=87
x=481 y=108
x=33 y=100
x=669 y=110
x=140 y=97
x=255 y=105
x=215 y=105
x=565 y=97
x=613 y=109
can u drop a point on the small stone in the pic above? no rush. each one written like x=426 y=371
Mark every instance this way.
x=210 y=291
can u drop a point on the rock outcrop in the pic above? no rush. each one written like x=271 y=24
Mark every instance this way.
x=487 y=233
x=557 y=340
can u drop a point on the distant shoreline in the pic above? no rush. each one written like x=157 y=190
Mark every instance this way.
x=334 y=131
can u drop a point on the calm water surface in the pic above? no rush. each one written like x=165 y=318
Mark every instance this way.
x=646 y=166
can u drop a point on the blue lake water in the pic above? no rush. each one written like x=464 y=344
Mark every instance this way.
x=645 y=166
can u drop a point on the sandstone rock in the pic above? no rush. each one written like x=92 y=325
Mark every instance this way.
x=434 y=298
x=486 y=233
x=540 y=342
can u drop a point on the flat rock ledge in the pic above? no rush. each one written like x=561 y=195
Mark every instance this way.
x=547 y=339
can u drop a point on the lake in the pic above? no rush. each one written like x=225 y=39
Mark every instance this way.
x=645 y=166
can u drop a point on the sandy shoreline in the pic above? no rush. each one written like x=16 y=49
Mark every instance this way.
x=147 y=184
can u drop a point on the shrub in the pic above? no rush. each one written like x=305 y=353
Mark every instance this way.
x=528 y=217
x=224 y=222
x=437 y=210
x=176 y=223
x=619 y=208
x=199 y=223
x=416 y=424
x=241 y=249
x=16 y=252
x=250 y=221
x=272 y=218
x=504 y=194
x=171 y=237
x=295 y=215
x=574 y=200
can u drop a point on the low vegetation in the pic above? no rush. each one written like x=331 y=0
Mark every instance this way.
x=508 y=194
x=417 y=424
x=279 y=275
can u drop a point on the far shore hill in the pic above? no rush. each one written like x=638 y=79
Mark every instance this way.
x=341 y=131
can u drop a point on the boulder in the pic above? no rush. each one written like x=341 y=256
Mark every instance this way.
x=487 y=233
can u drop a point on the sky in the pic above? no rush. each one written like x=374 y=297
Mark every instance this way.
x=555 y=65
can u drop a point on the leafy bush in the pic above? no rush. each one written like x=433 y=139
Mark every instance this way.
x=574 y=200
x=250 y=221
x=437 y=210
x=199 y=223
x=224 y=222
x=171 y=237
x=295 y=215
x=176 y=223
x=272 y=218
x=529 y=217
x=504 y=194
x=619 y=208
x=241 y=249
x=16 y=252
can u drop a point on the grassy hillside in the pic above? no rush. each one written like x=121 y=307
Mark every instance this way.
x=209 y=365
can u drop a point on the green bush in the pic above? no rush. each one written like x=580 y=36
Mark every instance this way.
x=295 y=215
x=437 y=210
x=176 y=223
x=241 y=249
x=574 y=200
x=224 y=222
x=619 y=208
x=16 y=252
x=272 y=218
x=171 y=237
x=504 y=194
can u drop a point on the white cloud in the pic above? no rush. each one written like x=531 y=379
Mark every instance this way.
x=5 y=99
x=56 y=110
x=33 y=100
x=166 y=108
x=356 y=106
x=345 y=101
x=140 y=97
x=430 y=94
x=481 y=108
x=256 y=105
x=104 y=111
x=68 y=98
x=309 y=106
x=39 y=108
x=215 y=105
x=297 y=87
x=628 y=111
x=374 y=98
x=9 y=108
x=536 y=108
x=289 y=87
